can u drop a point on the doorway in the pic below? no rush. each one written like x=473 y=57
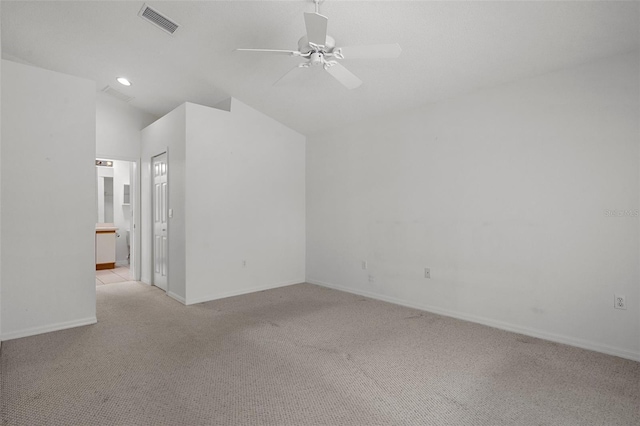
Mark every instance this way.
x=116 y=220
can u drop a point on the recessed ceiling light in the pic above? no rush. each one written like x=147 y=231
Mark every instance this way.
x=123 y=81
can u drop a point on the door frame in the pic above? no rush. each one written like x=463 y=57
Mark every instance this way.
x=150 y=217
x=135 y=217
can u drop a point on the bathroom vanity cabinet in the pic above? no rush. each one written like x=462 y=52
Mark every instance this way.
x=105 y=246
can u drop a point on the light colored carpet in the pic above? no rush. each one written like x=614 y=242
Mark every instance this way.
x=302 y=355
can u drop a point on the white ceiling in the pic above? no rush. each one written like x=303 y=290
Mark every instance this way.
x=449 y=48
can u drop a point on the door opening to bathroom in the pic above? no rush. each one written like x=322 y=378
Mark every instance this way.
x=116 y=209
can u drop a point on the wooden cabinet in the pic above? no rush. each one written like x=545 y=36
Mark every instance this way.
x=105 y=247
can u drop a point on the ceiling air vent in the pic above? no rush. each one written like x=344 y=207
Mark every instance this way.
x=118 y=95
x=157 y=19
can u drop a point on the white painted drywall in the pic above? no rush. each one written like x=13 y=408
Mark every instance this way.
x=48 y=201
x=118 y=126
x=236 y=188
x=245 y=179
x=503 y=194
x=165 y=135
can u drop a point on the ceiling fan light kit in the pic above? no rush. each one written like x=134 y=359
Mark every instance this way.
x=320 y=49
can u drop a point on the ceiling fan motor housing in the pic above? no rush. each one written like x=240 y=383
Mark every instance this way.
x=316 y=59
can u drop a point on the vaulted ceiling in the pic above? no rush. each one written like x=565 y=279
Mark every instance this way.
x=448 y=48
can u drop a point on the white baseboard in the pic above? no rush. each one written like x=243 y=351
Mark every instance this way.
x=211 y=297
x=176 y=297
x=558 y=338
x=48 y=328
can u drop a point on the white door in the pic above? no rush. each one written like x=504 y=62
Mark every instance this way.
x=160 y=208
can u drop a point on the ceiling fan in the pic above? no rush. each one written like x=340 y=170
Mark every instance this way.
x=320 y=50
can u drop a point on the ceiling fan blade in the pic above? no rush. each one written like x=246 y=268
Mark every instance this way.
x=316 y=28
x=289 y=75
x=278 y=52
x=343 y=75
x=373 y=51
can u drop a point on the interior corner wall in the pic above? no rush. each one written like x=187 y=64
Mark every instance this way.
x=118 y=127
x=245 y=202
x=167 y=134
x=48 y=201
x=521 y=199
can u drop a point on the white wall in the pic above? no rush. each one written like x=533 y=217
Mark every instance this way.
x=118 y=137
x=236 y=187
x=166 y=134
x=245 y=188
x=118 y=126
x=502 y=193
x=48 y=200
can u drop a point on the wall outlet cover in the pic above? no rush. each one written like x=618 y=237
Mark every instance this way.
x=619 y=301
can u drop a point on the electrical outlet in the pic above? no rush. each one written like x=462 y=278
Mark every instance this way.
x=364 y=265
x=371 y=278
x=427 y=273
x=619 y=301
x=244 y=263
